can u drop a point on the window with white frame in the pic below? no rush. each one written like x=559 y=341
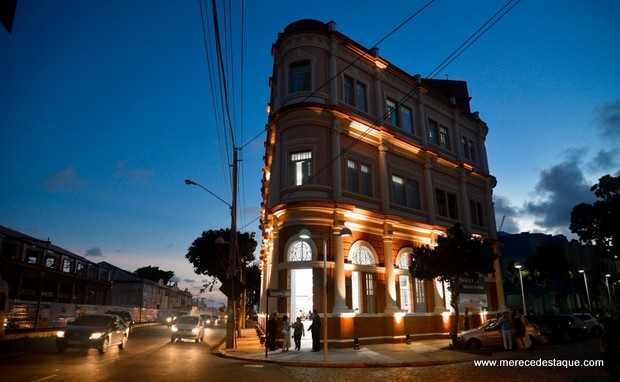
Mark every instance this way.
x=469 y=149
x=359 y=178
x=476 y=213
x=406 y=192
x=300 y=167
x=446 y=204
x=299 y=251
x=299 y=77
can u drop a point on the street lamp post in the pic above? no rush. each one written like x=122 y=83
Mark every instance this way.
x=611 y=307
x=305 y=234
x=231 y=342
x=585 y=281
x=519 y=266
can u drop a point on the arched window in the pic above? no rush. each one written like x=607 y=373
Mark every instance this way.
x=299 y=251
x=362 y=256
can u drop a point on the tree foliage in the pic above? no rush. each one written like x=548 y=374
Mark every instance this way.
x=547 y=264
x=154 y=274
x=457 y=255
x=597 y=223
x=212 y=259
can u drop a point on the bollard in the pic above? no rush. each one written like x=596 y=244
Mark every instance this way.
x=356 y=343
x=408 y=339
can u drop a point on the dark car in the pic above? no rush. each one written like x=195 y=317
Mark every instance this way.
x=98 y=331
x=126 y=316
x=562 y=328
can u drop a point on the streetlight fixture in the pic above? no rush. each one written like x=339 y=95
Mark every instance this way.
x=585 y=281
x=519 y=266
x=305 y=234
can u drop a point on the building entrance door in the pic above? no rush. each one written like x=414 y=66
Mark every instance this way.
x=301 y=293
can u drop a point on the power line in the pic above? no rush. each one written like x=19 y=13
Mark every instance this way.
x=455 y=54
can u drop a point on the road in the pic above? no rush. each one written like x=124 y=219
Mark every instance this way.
x=150 y=356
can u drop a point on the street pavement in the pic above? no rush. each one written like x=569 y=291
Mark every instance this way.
x=418 y=353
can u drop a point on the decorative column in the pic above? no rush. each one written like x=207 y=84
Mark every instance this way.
x=390 y=279
x=428 y=189
x=340 y=305
x=465 y=208
x=274 y=260
x=384 y=177
x=440 y=302
x=335 y=166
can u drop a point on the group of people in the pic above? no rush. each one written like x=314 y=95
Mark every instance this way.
x=297 y=329
x=515 y=327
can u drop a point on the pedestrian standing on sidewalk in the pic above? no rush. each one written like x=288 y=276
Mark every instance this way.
x=519 y=331
x=315 y=328
x=506 y=330
x=286 y=334
x=298 y=331
x=272 y=331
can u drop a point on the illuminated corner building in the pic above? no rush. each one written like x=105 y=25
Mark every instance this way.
x=353 y=141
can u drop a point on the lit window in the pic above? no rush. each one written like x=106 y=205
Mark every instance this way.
x=299 y=251
x=403 y=283
x=299 y=77
x=361 y=256
x=66 y=265
x=300 y=167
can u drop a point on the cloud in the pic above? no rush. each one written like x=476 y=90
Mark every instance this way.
x=94 y=252
x=66 y=178
x=189 y=281
x=138 y=176
x=608 y=117
x=560 y=188
x=505 y=211
x=175 y=279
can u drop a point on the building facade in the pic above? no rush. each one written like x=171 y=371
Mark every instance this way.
x=355 y=142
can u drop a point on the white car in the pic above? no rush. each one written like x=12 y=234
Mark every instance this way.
x=593 y=325
x=188 y=328
x=490 y=335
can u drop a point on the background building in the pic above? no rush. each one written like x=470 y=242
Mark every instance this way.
x=355 y=142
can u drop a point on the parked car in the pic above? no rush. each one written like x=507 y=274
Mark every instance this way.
x=562 y=328
x=593 y=325
x=188 y=327
x=98 y=331
x=126 y=316
x=490 y=335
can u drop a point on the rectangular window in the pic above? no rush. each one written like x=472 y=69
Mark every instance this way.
x=355 y=292
x=355 y=93
x=66 y=265
x=476 y=213
x=405 y=293
x=406 y=119
x=406 y=192
x=299 y=77
x=359 y=178
x=469 y=149
x=50 y=261
x=420 y=296
x=444 y=138
x=392 y=112
x=433 y=132
x=300 y=168
x=446 y=204
x=370 y=293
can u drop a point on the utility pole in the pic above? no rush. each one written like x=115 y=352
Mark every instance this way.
x=231 y=325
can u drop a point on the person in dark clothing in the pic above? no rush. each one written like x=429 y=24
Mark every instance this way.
x=298 y=331
x=272 y=331
x=315 y=328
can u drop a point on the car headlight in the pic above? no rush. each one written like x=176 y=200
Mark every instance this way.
x=60 y=334
x=169 y=319
x=195 y=331
x=174 y=328
x=96 y=335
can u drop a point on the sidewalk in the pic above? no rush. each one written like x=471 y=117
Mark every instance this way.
x=418 y=353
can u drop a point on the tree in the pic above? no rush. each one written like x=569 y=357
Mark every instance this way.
x=597 y=223
x=154 y=274
x=212 y=259
x=457 y=255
